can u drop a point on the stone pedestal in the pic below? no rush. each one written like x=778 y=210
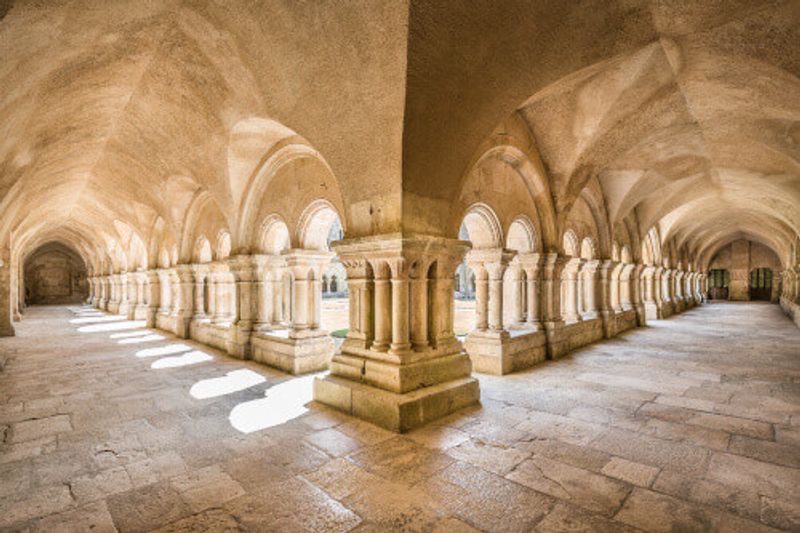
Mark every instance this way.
x=401 y=365
x=6 y=327
x=489 y=346
x=304 y=346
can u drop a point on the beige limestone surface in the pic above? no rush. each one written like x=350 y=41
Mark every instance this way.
x=690 y=424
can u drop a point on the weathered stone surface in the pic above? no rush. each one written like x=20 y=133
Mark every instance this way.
x=581 y=487
x=186 y=467
x=634 y=473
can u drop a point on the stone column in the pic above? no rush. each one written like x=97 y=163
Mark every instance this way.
x=402 y=389
x=625 y=286
x=401 y=339
x=553 y=267
x=306 y=347
x=165 y=292
x=153 y=296
x=182 y=308
x=199 y=275
x=605 y=270
x=569 y=279
x=122 y=309
x=592 y=288
x=418 y=274
x=211 y=281
x=359 y=281
x=90 y=283
x=307 y=267
x=268 y=279
x=382 y=306
x=650 y=297
x=6 y=325
x=531 y=265
x=243 y=271
x=481 y=296
x=637 y=298
x=515 y=278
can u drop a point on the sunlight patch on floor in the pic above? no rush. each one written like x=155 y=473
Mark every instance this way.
x=129 y=334
x=113 y=326
x=147 y=338
x=169 y=349
x=234 y=381
x=190 y=358
x=284 y=401
x=97 y=319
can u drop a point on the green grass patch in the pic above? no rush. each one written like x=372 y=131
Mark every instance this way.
x=340 y=333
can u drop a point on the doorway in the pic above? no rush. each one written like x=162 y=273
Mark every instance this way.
x=761 y=284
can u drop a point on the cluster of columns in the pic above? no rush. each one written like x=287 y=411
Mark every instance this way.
x=668 y=291
x=790 y=293
x=401 y=364
x=558 y=297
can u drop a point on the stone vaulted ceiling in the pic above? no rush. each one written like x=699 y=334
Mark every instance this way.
x=114 y=114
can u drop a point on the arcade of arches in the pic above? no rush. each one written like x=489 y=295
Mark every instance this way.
x=213 y=172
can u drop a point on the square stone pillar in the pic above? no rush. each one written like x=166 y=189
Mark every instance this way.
x=183 y=291
x=243 y=271
x=406 y=368
x=637 y=290
x=650 y=292
x=102 y=301
x=152 y=296
x=6 y=326
x=606 y=272
x=553 y=266
x=122 y=289
x=137 y=307
x=165 y=292
x=489 y=345
x=305 y=346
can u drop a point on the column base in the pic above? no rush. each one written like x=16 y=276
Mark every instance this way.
x=557 y=341
x=609 y=318
x=498 y=354
x=393 y=411
x=295 y=356
x=7 y=331
x=112 y=307
x=652 y=311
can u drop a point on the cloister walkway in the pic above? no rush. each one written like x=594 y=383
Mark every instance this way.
x=690 y=424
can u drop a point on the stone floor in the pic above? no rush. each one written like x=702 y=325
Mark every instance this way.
x=692 y=424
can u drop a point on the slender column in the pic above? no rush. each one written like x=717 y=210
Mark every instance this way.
x=262 y=285
x=200 y=273
x=382 y=306
x=625 y=283
x=174 y=289
x=516 y=279
x=153 y=296
x=419 y=306
x=496 y=271
x=591 y=287
x=307 y=267
x=569 y=280
x=481 y=297
x=359 y=281
x=166 y=292
x=531 y=263
x=400 y=315
x=278 y=296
